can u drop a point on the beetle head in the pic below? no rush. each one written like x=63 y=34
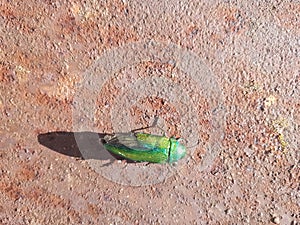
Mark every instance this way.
x=177 y=150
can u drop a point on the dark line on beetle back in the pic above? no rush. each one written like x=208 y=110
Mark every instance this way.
x=169 y=153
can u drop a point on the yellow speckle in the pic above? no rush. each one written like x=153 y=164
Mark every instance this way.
x=282 y=141
x=82 y=13
x=271 y=100
x=279 y=125
x=75 y=9
x=251 y=87
x=21 y=69
x=22 y=74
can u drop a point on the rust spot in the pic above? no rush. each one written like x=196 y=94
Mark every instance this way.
x=94 y=210
x=6 y=74
x=11 y=189
x=26 y=173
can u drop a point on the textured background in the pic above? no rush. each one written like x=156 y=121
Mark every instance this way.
x=251 y=47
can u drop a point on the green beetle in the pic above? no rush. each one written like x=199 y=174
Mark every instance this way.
x=143 y=147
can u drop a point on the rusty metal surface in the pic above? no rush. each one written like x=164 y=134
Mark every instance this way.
x=223 y=76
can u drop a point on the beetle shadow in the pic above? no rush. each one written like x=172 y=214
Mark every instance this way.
x=83 y=145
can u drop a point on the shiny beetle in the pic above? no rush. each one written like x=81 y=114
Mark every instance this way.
x=143 y=147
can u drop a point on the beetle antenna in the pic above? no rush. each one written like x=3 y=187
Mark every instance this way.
x=179 y=139
x=154 y=124
x=194 y=145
